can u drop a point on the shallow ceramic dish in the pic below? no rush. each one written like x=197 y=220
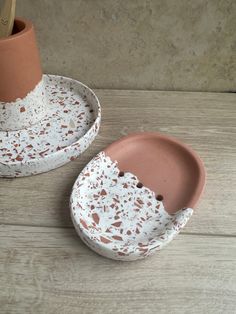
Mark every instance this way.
x=136 y=195
x=71 y=124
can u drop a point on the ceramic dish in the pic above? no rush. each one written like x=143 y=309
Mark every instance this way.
x=135 y=196
x=70 y=125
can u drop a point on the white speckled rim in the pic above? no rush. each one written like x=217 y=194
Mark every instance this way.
x=23 y=113
x=116 y=218
x=71 y=124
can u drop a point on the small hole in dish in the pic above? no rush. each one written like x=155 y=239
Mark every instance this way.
x=121 y=174
x=159 y=197
x=139 y=185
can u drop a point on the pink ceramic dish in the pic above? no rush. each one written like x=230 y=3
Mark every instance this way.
x=136 y=195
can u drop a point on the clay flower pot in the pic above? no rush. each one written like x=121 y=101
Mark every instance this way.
x=22 y=94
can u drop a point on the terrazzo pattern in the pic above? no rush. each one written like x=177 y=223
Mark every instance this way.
x=116 y=218
x=71 y=124
x=24 y=112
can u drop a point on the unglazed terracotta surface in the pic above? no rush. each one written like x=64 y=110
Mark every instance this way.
x=71 y=124
x=20 y=66
x=119 y=217
x=162 y=163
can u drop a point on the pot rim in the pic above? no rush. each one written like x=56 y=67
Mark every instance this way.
x=27 y=27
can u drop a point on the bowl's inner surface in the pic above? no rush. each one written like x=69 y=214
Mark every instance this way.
x=164 y=166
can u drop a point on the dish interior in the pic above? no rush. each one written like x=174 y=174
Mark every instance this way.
x=164 y=165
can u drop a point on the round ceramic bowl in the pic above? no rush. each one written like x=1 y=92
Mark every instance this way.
x=134 y=197
x=71 y=124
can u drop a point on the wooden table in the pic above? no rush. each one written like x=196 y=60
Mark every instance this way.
x=45 y=268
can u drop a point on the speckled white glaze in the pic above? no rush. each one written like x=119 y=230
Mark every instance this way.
x=116 y=218
x=24 y=112
x=71 y=124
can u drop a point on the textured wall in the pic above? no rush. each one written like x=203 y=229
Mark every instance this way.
x=142 y=44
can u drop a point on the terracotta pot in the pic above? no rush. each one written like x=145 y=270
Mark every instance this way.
x=22 y=94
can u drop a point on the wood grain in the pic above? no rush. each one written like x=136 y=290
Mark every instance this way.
x=206 y=121
x=45 y=268
x=48 y=270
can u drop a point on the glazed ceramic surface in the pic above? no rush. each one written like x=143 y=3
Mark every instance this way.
x=70 y=125
x=116 y=215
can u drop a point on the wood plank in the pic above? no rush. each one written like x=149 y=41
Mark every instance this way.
x=206 y=121
x=49 y=270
